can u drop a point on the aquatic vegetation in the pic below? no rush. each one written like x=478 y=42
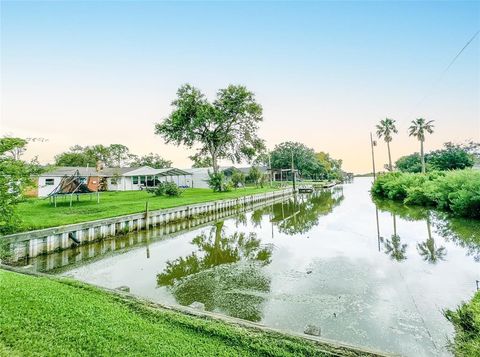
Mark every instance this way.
x=455 y=191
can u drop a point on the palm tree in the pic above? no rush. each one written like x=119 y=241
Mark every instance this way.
x=418 y=129
x=386 y=129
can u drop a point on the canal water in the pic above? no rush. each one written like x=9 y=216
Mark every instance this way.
x=377 y=275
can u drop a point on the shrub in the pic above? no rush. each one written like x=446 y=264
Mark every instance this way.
x=172 y=190
x=218 y=182
x=159 y=190
x=165 y=188
x=455 y=191
x=466 y=320
x=238 y=179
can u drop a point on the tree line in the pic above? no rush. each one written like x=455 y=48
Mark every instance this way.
x=114 y=155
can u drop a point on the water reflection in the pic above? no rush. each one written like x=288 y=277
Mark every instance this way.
x=301 y=213
x=463 y=232
x=428 y=250
x=393 y=246
x=224 y=273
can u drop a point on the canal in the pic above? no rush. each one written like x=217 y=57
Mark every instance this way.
x=373 y=274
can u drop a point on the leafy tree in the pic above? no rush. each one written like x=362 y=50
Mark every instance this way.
x=225 y=128
x=119 y=155
x=451 y=158
x=218 y=182
x=409 y=163
x=238 y=178
x=152 y=160
x=386 y=129
x=16 y=175
x=89 y=155
x=418 y=129
x=328 y=168
x=74 y=159
x=254 y=175
x=304 y=159
x=200 y=160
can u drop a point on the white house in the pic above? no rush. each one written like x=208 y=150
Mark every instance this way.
x=114 y=178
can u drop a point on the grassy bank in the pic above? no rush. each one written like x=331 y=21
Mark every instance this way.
x=466 y=320
x=455 y=191
x=53 y=317
x=37 y=213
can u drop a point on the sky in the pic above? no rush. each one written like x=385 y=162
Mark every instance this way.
x=325 y=72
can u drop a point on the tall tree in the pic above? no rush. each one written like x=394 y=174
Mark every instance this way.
x=418 y=129
x=304 y=159
x=152 y=160
x=225 y=129
x=200 y=160
x=385 y=130
x=119 y=155
x=16 y=175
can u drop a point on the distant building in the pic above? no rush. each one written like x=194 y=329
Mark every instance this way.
x=114 y=178
x=200 y=175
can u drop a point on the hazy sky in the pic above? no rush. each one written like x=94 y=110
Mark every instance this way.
x=325 y=72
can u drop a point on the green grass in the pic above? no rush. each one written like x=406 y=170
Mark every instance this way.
x=466 y=320
x=37 y=213
x=43 y=316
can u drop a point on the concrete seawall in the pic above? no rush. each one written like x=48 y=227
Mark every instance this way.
x=45 y=241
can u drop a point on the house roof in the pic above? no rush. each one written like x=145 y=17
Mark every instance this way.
x=149 y=171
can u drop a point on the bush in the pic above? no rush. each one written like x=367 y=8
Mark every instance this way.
x=455 y=191
x=466 y=320
x=238 y=179
x=172 y=190
x=165 y=188
x=254 y=175
x=218 y=182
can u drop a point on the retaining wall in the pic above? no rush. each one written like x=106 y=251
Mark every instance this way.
x=55 y=239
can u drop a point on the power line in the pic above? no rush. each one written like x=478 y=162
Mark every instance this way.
x=447 y=68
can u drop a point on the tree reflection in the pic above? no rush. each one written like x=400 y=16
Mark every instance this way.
x=428 y=250
x=463 y=232
x=224 y=274
x=393 y=247
x=301 y=213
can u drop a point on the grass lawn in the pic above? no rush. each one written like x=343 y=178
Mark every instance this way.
x=45 y=316
x=37 y=213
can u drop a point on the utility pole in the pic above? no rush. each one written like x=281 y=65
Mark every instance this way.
x=293 y=175
x=270 y=167
x=372 y=144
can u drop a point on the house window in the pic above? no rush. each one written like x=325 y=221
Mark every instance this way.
x=135 y=180
x=142 y=180
x=49 y=182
